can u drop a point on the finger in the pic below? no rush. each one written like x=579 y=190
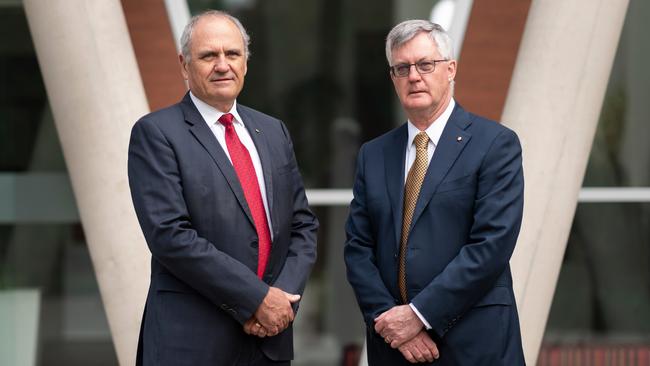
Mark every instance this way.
x=424 y=351
x=418 y=355
x=256 y=329
x=289 y=317
x=379 y=326
x=427 y=355
x=381 y=316
x=292 y=316
x=400 y=338
x=272 y=331
x=409 y=357
x=431 y=345
x=249 y=326
x=396 y=343
x=283 y=327
x=292 y=297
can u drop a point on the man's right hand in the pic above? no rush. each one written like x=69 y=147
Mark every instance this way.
x=275 y=312
x=420 y=348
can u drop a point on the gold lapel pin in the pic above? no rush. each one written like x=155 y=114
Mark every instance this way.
x=459 y=138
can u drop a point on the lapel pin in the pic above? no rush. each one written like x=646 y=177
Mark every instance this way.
x=257 y=131
x=459 y=138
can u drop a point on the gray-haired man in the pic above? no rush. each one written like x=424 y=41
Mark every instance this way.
x=222 y=206
x=434 y=220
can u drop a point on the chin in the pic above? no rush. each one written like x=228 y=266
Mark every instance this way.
x=417 y=104
x=219 y=94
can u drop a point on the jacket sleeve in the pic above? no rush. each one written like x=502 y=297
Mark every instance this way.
x=497 y=217
x=304 y=225
x=360 y=253
x=157 y=193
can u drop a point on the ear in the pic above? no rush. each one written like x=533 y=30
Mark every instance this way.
x=451 y=69
x=183 y=64
x=392 y=77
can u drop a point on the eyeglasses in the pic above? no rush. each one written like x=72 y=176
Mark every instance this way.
x=423 y=67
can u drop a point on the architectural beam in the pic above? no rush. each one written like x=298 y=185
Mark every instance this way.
x=96 y=94
x=553 y=103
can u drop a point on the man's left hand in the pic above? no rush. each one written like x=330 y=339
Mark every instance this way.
x=398 y=325
x=253 y=327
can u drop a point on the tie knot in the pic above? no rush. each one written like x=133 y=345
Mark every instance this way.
x=226 y=119
x=421 y=140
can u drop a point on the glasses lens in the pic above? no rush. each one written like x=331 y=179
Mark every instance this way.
x=401 y=70
x=425 y=66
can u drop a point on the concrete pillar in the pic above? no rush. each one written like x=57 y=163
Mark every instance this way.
x=553 y=103
x=96 y=94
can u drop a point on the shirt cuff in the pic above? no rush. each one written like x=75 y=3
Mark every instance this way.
x=424 y=321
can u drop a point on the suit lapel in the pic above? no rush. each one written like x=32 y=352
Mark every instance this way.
x=394 y=157
x=453 y=140
x=260 y=139
x=206 y=138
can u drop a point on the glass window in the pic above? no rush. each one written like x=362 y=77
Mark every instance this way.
x=50 y=309
x=601 y=308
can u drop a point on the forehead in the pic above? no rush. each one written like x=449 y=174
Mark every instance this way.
x=216 y=31
x=419 y=47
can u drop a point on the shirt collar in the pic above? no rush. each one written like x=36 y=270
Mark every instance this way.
x=211 y=115
x=435 y=129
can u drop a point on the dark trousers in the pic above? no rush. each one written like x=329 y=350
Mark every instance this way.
x=252 y=355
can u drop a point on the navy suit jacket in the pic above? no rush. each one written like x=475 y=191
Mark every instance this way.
x=464 y=228
x=203 y=242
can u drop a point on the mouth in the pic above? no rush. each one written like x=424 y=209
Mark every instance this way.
x=220 y=80
x=415 y=92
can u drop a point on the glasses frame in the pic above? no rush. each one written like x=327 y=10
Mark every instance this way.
x=417 y=68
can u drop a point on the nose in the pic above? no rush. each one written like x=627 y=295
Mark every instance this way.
x=220 y=64
x=414 y=74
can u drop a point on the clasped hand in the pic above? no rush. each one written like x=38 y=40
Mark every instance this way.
x=273 y=315
x=402 y=329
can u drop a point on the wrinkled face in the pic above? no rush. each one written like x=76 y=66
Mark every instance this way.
x=422 y=92
x=217 y=65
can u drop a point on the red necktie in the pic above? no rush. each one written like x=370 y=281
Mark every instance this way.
x=241 y=161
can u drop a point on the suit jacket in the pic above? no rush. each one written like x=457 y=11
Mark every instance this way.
x=203 y=242
x=464 y=228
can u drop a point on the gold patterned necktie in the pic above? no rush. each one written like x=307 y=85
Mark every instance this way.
x=411 y=192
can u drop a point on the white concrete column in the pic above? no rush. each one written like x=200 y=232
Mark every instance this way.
x=553 y=103
x=96 y=94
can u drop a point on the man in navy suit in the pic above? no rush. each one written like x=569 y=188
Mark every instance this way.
x=222 y=206
x=436 y=212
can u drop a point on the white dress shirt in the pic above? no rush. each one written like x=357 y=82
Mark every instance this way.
x=434 y=131
x=211 y=116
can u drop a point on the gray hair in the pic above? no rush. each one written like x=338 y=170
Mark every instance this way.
x=406 y=30
x=186 y=38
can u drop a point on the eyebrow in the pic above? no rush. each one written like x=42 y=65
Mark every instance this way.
x=228 y=51
x=425 y=58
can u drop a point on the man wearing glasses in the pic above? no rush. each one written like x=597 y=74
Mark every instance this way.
x=436 y=212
